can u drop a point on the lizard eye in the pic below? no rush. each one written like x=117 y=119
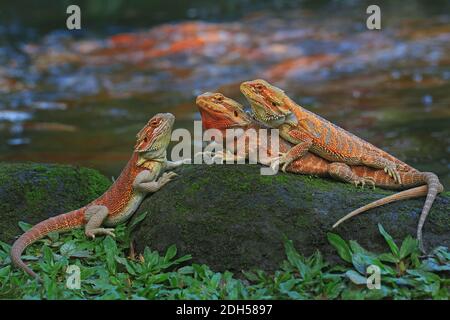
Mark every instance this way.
x=145 y=139
x=235 y=114
x=274 y=104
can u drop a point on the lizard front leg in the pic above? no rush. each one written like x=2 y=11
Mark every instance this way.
x=293 y=154
x=175 y=164
x=378 y=162
x=95 y=216
x=145 y=181
x=341 y=171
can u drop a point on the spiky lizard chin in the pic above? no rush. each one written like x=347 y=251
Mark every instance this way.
x=154 y=139
x=221 y=114
x=262 y=114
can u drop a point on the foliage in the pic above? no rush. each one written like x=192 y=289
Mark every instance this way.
x=108 y=273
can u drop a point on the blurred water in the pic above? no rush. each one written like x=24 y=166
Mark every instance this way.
x=81 y=98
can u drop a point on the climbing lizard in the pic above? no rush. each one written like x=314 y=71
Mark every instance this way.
x=220 y=112
x=140 y=177
x=310 y=132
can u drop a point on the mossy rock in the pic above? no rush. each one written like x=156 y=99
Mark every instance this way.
x=232 y=218
x=32 y=192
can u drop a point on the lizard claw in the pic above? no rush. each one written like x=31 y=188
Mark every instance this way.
x=166 y=178
x=393 y=173
x=275 y=163
x=218 y=156
x=203 y=154
x=287 y=162
x=100 y=231
x=363 y=181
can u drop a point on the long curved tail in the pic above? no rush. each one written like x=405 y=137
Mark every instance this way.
x=431 y=189
x=434 y=187
x=59 y=223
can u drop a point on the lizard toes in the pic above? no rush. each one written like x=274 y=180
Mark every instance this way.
x=274 y=165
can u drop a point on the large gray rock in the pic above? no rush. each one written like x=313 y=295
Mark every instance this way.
x=232 y=218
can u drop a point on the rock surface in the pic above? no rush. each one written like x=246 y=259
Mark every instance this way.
x=232 y=218
x=32 y=192
x=229 y=217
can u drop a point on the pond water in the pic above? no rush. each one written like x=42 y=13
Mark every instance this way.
x=80 y=98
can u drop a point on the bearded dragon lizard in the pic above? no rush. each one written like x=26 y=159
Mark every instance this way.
x=140 y=177
x=220 y=112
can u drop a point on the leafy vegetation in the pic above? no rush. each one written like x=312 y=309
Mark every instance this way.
x=108 y=272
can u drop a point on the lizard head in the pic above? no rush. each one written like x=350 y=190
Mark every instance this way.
x=153 y=139
x=220 y=112
x=267 y=102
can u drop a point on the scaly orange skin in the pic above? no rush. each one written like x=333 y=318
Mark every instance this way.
x=220 y=112
x=118 y=198
x=226 y=113
x=310 y=132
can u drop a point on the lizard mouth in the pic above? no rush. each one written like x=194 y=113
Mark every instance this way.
x=263 y=114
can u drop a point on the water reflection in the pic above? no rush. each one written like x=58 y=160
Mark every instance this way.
x=81 y=100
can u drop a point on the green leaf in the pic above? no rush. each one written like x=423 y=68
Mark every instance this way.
x=341 y=246
x=67 y=248
x=54 y=236
x=433 y=265
x=357 y=249
x=50 y=288
x=5 y=247
x=24 y=226
x=186 y=270
x=47 y=254
x=171 y=252
x=5 y=271
x=111 y=252
x=128 y=265
x=215 y=280
x=295 y=259
x=137 y=220
x=288 y=285
x=359 y=263
x=356 y=278
x=388 y=257
x=389 y=240
x=443 y=254
x=158 y=278
x=409 y=245
x=427 y=277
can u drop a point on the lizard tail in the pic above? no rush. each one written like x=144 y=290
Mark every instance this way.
x=403 y=195
x=59 y=223
x=434 y=187
x=431 y=189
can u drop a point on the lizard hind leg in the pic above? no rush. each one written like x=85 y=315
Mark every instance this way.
x=341 y=171
x=95 y=216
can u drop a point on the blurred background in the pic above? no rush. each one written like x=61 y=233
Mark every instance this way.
x=80 y=96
